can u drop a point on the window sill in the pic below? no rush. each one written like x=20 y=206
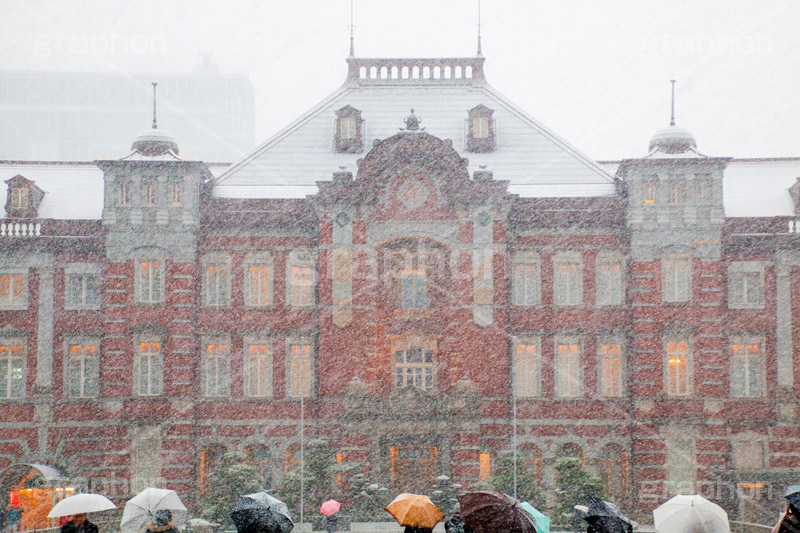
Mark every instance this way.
x=758 y=306
x=82 y=308
x=14 y=307
x=411 y=313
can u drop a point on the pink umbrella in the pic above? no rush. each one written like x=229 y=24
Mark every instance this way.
x=330 y=507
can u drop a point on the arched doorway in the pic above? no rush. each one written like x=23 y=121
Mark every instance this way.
x=35 y=488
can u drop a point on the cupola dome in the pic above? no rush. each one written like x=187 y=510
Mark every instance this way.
x=673 y=140
x=155 y=142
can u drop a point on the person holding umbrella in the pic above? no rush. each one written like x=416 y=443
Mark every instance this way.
x=162 y=522
x=790 y=520
x=79 y=523
x=415 y=512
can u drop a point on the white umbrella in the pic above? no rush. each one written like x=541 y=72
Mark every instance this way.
x=693 y=514
x=81 y=503
x=270 y=501
x=140 y=510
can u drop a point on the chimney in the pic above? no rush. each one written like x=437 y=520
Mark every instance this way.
x=482 y=175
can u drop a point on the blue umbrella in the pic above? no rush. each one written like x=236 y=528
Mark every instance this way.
x=542 y=521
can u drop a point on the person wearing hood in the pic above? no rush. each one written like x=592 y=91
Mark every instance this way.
x=79 y=523
x=454 y=524
x=162 y=522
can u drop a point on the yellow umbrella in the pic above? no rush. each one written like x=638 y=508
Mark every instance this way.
x=414 y=510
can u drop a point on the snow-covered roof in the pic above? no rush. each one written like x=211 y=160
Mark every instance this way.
x=73 y=189
x=535 y=160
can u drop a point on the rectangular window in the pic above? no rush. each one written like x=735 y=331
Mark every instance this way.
x=146 y=460
x=745 y=285
x=676 y=192
x=82 y=371
x=747 y=369
x=12 y=370
x=13 y=290
x=610 y=368
x=175 y=193
x=413 y=290
x=485 y=461
x=149 y=193
x=414 y=368
x=258 y=371
x=347 y=127
x=568 y=283
x=569 y=381
x=150 y=283
x=650 y=192
x=677 y=371
x=608 y=281
x=480 y=127
x=527 y=284
x=83 y=291
x=217 y=285
x=300 y=378
x=216 y=370
x=527 y=369
x=123 y=194
x=703 y=190
x=680 y=465
x=19 y=198
x=301 y=286
x=149 y=369
x=677 y=279
x=259 y=285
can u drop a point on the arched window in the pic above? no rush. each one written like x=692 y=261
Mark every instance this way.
x=613 y=466
x=291 y=458
x=210 y=456
x=259 y=456
x=533 y=459
x=570 y=449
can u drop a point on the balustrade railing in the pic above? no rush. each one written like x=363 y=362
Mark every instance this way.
x=453 y=71
x=10 y=228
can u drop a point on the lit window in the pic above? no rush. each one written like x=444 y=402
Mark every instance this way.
x=480 y=127
x=485 y=462
x=123 y=193
x=527 y=284
x=301 y=286
x=650 y=192
x=568 y=283
x=527 y=370
x=608 y=283
x=413 y=290
x=150 y=193
x=677 y=371
x=300 y=378
x=258 y=371
x=12 y=370
x=13 y=291
x=150 y=284
x=414 y=368
x=677 y=279
x=175 y=193
x=747 y=370
x=259 y=285
x=83 y=291
x=82 y=371
x=610 y=355
x=217 y=285
x=347 y=127
x=216 y=374
x=149 y=369
x=568 y=369
x=19 y=198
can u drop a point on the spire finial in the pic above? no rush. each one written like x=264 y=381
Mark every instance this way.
x=672 y=116
x=480 y=52
x=352 y=46
x=155 y=123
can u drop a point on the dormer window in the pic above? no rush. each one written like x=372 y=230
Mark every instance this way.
x=23 y=198
x=349 y=137
x=481 y=129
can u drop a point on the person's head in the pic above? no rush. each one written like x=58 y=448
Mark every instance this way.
x=79 y=519
x=162 y=517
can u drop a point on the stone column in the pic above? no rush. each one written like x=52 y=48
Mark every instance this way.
x=44 y=333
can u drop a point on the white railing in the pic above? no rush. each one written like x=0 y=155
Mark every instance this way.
x=794 y=226
x=20 y=229
x=455 y=71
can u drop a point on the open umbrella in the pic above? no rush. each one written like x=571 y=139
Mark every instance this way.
x=542 y=521
x=605 y=517
x=140 y=510
x=491 y=511
x=414 y=510
x=81 y=503
x=690 y=513
x=261 y=513
x=330 y=507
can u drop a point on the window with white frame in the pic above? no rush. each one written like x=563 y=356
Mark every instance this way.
x=747 y=368
x=150 y=281
x=216 y=369
x=13 y=290
x=149 y=368
x=347 y=127
x=300 y=370
x=527 y=368
x=527 y=279
x=258 y=369
x=610 y=367
x=12 y=368
x=175 y=193
x=568 y=370
x=258 y=281
x=146 y=460
x=480 y=127
x=83 y=366
x=301 y=279
x=216 y=283
x=414 y=368
x=19 y=198
x=82 y=286
x=678 y=368
x=568 y=279
x=746 y=285
x=413 y=289
x=608 y=281
x=680 y=464
x=677 y=279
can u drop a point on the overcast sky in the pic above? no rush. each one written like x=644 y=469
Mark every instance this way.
x=595 y=72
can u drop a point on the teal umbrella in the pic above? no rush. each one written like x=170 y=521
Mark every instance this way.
x=542 y=522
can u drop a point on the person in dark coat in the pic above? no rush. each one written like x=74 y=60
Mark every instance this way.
x=789 y=522
x=79 y=523
x=410 y=529
x=454 y=524
x=162 y=522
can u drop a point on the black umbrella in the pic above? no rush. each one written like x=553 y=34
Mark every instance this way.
x=492 y=511
x=605 y=517
x=793 y=496
x=254 y=516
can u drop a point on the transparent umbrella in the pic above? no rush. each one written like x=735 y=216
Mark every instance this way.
x=690 y=513
x=81 y=503
x=140 y=510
